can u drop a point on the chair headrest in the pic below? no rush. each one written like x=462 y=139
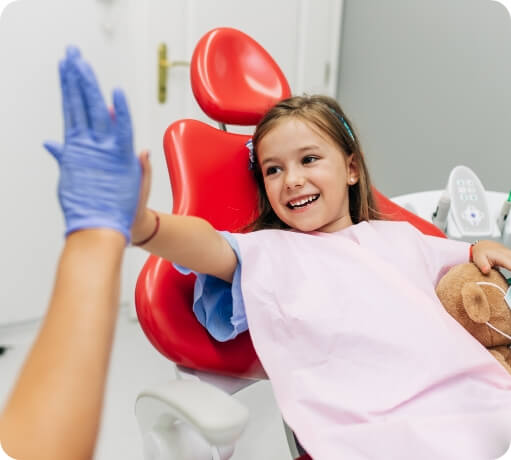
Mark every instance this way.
x=234 y=79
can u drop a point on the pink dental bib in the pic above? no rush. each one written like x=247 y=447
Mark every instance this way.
x=364 y=360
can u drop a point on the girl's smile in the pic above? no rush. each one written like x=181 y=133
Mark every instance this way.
x=302 y=203
x=306 y=177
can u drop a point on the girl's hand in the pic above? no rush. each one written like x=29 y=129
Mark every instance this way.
x=487 y=254
x=144 y=220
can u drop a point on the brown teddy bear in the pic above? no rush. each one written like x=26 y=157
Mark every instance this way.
x=476 y=300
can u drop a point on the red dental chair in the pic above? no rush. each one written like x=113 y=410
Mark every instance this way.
x=234 y=81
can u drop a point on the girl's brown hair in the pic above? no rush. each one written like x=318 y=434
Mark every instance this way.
x=325 y=114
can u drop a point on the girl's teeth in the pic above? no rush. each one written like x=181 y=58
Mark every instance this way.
x=310 y=199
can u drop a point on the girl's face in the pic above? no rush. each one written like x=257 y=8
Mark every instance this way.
x=306 y=177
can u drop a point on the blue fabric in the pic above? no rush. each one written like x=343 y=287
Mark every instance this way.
x=217 y=304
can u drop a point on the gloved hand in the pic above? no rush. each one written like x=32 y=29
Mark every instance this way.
x=99 y=172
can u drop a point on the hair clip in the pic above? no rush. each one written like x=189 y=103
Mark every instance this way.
x=251 y=157
x=343 y=121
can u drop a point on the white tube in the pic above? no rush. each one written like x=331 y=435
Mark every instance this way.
x=439 y=217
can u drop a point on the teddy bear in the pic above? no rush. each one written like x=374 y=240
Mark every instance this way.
x=476 y=300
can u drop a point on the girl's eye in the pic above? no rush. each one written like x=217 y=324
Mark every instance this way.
x=272 y=170
x=309 y=159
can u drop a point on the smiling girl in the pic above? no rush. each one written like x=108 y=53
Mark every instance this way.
x=341 y=306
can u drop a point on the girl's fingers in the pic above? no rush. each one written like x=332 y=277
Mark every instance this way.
x=482 y=262
x=145 y=185
x=499 y=259
x=486 y=260
x=488 y=254
x=146 y=177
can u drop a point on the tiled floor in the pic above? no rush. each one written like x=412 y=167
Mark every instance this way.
x=136 y=365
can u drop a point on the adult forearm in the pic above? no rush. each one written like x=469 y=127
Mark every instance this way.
x=68 y=363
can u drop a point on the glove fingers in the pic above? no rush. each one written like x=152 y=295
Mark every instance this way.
x=123 y=121
x=96 y=110
x=55 y=149
x=66 y=106
x=72 y=52
x=77 y=118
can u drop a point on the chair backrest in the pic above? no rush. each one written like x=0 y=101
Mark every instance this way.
x=210 y=178
x=209 y=173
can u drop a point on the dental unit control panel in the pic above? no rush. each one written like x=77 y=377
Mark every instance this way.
x=464 y=210
x=468 y=214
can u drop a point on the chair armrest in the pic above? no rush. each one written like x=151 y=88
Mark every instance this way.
x=217 y=417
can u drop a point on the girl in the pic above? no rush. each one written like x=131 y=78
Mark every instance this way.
x=342 y=310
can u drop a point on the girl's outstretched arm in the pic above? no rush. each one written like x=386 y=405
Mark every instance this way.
x=188 y=241
x=191 y=242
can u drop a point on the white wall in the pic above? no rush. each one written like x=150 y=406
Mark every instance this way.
x=119 y=38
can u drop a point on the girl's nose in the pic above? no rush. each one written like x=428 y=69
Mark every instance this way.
x=294 y=179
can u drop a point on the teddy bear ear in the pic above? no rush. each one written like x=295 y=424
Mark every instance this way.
x=475 y=303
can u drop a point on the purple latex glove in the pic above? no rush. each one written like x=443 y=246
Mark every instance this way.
x=100 y=174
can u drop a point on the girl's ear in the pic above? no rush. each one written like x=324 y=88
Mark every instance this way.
x=352 y=170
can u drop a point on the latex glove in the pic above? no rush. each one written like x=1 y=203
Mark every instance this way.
x=99 y=171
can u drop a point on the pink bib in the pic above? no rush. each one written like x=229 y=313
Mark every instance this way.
x=364 y=360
